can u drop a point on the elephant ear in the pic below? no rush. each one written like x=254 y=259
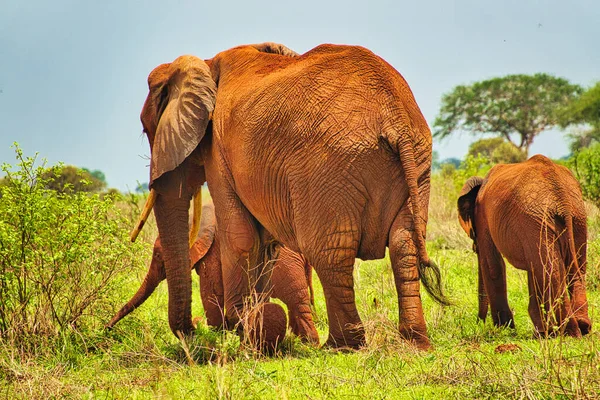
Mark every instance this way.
x=466 y=204
x=187 y=95
x=206 y=234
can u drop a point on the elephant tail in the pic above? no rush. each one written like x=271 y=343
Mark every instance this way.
x=309 y=282
x=429 y=272
x=571 y=238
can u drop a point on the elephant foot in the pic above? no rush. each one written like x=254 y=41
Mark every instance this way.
x=416 y=338
x=347 y=341
x=339 y=346
x=572 y=328
x=585 y=325
x=504 y=319
x=265 y=327
x=350 y=339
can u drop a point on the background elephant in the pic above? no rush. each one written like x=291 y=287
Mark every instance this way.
x=533 y=214
x=288 y=279
x=327 y=151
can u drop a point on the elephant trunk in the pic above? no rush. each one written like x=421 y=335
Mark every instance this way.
x=172 y=220
x=155 y=275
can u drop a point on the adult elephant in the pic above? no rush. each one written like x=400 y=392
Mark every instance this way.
x=533 y=214
x=327 y=151
x=288 y=278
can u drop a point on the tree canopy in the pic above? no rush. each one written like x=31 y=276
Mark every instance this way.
x=585 y=109
x=497 y=150
x=520 y=106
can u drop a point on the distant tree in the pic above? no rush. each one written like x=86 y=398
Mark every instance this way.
x=514 y=105
x=497 y=150
x=99 y=175
x=584 y=110
x=68 y=178
x=142 y=187
x=452 y=161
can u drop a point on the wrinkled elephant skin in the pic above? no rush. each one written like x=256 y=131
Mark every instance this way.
x=290 y=281
x=327 y=151
x=533 y=214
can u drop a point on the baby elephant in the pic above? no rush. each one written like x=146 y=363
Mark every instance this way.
x=290 y=281
x=533 y=214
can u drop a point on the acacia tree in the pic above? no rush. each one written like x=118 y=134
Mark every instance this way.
x=514 y=106
x=584 y=110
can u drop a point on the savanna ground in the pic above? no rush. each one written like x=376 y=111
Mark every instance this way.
x=140 y=358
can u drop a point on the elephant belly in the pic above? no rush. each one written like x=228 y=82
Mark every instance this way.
x=517 y=239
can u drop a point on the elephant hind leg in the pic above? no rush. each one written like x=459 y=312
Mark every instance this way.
x=403 y=255
x=576 y=280
x=550 y=304
x=334 y=266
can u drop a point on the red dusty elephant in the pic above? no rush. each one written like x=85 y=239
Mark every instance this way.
x=289 y=279
x=533 y=214
x=327 y=151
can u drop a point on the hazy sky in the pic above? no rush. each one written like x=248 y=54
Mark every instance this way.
x=73 y=75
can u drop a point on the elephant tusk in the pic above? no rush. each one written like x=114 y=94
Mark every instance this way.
x=144 y=216
x=196 y=215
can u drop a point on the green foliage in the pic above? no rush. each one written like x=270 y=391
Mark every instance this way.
x=471 y=166
x=586 y=167
x=452 y=161
x=140 y=358
x=585 y=109
x=497 y=150
x=142 y=187
x=514 y=105
x=60 y=254
x=68 y=178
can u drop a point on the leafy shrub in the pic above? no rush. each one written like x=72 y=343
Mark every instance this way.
x=586 y=166
x=59 y=255
x=471 y=166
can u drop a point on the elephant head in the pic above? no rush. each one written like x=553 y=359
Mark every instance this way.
x=466 y=217
x=466 y=205
x=176 y=118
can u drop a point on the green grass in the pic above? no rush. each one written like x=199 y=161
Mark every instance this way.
x=140 y=358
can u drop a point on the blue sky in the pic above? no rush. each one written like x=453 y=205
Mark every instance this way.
x=73 y=74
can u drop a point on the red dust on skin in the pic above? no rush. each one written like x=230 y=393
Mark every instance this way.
x=531 y=213
x=340 y=112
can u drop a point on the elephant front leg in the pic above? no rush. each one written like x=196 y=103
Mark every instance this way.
x=493 y=274
x=484 y=304
x=211 y=286
x=403 y=255
x=290 y=284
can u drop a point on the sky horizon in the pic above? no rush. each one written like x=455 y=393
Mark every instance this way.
x=73 y=76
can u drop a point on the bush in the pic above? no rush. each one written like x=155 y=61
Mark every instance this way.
x=68 y=179
x=586 y=166
x=59 y=255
